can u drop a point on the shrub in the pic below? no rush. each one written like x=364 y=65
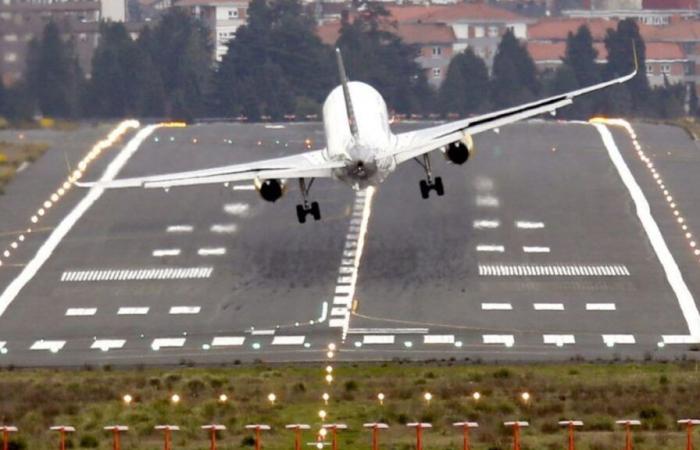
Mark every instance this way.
x=89 y=441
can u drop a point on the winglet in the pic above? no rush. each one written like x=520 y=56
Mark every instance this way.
x=634 y=53
x=346 y=94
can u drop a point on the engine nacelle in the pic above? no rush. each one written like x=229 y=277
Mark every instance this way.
x=270 y=190
x=460 y=151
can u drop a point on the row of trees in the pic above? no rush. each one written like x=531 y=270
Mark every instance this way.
x=277 y=65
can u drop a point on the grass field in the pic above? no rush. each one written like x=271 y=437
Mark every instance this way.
x=12 y=155
x=656 y=393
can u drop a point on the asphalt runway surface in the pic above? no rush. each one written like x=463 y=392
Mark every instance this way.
x=554 y=241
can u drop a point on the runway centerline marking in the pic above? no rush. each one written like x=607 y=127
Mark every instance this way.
x=658 y=243
x=179 y=229
x=548 y=306
x=505 y=339
x=350 y=262
x=378 y=339
x=215 y=251
x=227 y=341
x=108 y=344
x=133 y=311
x=52 y=346
x=184 y=310
x=496 y=306
x=81 y=311
x=439 y=339
x=487 y=201
x=159 y=343
x=534 y=249
x=486 y=224
x=69 y=221
x=559 y=339
x=237 y=209
x=161 y=252
x=288 y=340
x=490 y=248
x=223 y=228
x=613 y=339
x=526 y=225
x=600 y=307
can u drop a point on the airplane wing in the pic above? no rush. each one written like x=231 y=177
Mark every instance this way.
x=313 y=164
x=415 y=143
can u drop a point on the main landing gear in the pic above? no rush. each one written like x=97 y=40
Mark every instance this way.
x=429 y=183
x=307 y=208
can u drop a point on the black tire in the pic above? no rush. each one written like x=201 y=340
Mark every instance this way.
x=315 y=211
x=424 y=189
x=439 y=188
x=301 y=214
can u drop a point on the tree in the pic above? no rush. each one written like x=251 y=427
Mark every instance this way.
x=3 y=100
x=580 y=58
x=276 y=58
x=180 y=50
x=465 y=88
x=621 y=45
x=514 y=77
x=374 y=54
x=53 y=75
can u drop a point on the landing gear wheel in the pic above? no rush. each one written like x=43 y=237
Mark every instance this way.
x=315 y=211
x=424 y=189
x=301 y=213
x=439 y=188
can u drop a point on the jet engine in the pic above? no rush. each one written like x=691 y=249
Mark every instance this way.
x=270 y=190
x=460 y=151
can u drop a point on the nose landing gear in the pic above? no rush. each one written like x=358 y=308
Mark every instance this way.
x=429 y=183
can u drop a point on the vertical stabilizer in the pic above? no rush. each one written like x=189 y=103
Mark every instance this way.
x=346 y=94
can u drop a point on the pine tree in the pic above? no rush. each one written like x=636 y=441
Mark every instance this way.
x=465 y=88
x=619 y=44
x=514 y=77
x=3 y=99
x=581 y=59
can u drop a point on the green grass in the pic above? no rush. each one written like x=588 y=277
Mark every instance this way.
x=12 y=155
x=598 y=394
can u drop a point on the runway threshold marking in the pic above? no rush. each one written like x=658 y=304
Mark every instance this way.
x=439 y=339
x=553 y=270
x=81 y=311
x=600 y=307
x=490 y=248
x=526 y=225
x=62 y=229
x=505 y=339
x=175 y=310
x=159 y=343
x=548 y=306
x=216 y=251
x=133 y=311
x=658 y=243
x=613 y=339
x=223 y=228
x=487 y=201
x=161 y=252
x=559 y=339
x=378 y=339
x=52 y=346
x=350 y=261
x=108 y=344
x=535 y=249
x=288 y=340
x=227 y=341
x=179 y=229
x=139 y=274
x=486 y=224
x=496 y=306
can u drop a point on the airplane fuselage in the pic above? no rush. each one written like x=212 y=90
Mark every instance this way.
x=367 y=157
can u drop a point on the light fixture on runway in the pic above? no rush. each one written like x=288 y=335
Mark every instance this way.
x=271 y=397
x=127 y=399
x=175 y=399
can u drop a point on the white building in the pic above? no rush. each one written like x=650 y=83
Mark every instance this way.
x=223 y=17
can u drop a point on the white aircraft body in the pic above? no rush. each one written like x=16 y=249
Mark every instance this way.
x=361 y=149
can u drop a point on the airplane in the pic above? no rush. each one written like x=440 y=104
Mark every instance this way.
x=361 y=150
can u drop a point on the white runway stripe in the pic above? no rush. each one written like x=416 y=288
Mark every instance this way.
x=227 y=341
x=548 y=306
x=244 y=187
x=161 y=252
x=486 y=224
x=527 y=249
x=559 y=339
x=496 y=306
x=108 y=344
x=52 y=346
x=526 y=225
x=489 y=248
x=224 y=228
x=263 y=332
x=288 y=340
x=81 y=311
x=236 y=209
x=179 y=229
x=680 y=339
x=133 y=311
x=612 y=339
x=388 y=331
x=439 y=339
x=171 y=273
x=159 y=343
x=600 y=307
x=185 y=310
x=505 y=339
x=215 y=251
x=538 y=270
x=378 y=339
x=488 y=201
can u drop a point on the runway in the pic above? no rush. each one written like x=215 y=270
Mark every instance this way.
x=541 y=249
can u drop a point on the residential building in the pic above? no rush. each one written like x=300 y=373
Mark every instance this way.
x=223 y=17
x=648 y=12
x=23 y=20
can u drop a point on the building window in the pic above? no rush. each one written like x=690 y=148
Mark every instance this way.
x=478 y=32
x=232 y=13
x=437 y=51
x=11 y=57
x=436 y=72
x=493 y=32
x=11 y=37
x=665 y=68
x=650 y=68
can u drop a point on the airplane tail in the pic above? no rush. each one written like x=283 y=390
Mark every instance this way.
x=346 y=94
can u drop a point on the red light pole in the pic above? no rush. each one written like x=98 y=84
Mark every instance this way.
x=689 y=431
x=297 y=428
x=213 y=428
x=376 y=426
x=116 y=438
x=570 y=425
x=258 y=428
x=167 y=435
x=517 y=425
x=334 y=427
x=62 y=430
x=419 y=432
x=628 y=424
x=465 y=426
x=6 y=430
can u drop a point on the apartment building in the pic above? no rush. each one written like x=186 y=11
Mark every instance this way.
x=223 y=17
